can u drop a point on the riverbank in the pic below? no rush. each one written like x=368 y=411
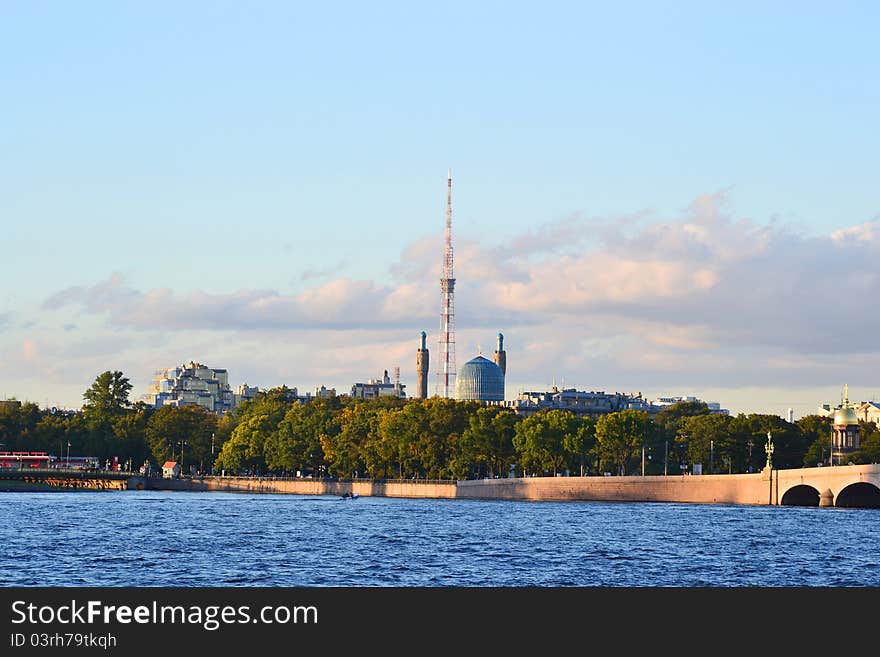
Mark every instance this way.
x=850 y=485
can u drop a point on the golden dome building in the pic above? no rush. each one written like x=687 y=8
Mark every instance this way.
x=844 y=431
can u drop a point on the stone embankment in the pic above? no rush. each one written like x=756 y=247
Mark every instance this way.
x=857 y=485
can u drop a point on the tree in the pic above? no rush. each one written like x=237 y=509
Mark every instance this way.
x=242 y=440
x=789 y=443
x=398 y=431
x=378 y=453
x=226 y=424
x=488 y=440
x=244 y=449
x=461 y=457
x=869 y=444
x=620 y=436
x=669 y=428
x=343 y=451
x=816 y=430
x=540 y=440
x=445 y=420
x=710 y=440
x=672 y=417
x=579 y=443
x=478 y=439
x=130 y=436
x=181 y=433
x=296 y=443
x=108 y=396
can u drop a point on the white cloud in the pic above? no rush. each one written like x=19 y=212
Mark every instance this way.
x=702 y=299
x=866 y=232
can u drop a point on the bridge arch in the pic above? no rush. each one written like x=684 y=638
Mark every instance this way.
x=862 y=495
x=800 y=495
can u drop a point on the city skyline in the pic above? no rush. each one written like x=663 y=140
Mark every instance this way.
x=673 y=201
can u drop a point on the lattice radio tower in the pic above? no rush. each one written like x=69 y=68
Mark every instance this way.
x=446 y=353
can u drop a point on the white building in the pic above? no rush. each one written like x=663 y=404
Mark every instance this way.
x=375 y=388
x=194 y=384
x=869 y=412
x=244 y=392
x=714 y=407
x=323 y=392
x=580 y=402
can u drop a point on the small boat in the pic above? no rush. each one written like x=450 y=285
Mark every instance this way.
x=350 y=496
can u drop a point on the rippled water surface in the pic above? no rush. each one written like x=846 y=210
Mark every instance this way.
x=218 y=539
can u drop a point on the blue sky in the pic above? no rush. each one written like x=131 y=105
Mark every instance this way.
x=261 y=188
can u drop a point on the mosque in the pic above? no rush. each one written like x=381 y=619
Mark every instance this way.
x=479 y=379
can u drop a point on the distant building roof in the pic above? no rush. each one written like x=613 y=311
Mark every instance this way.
x=169 y=464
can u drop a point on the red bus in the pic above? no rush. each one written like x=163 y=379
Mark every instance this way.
x=21 y=460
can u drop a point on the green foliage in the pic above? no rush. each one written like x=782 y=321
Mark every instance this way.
x=488 y=440
x=447 y=419
x=344 y=450
x=620 y=436
x=130 y=436
x=709 y=440
x=545 y=442
x=434 y=438
x=296 y=444
x=668 y=434
x=816 y=430
x=869 y=444
x=673 y=417
x=789 y=442
x=244 y=449
x=181 y=434
x=579 y=444
x=107 y=397
x=255 y=422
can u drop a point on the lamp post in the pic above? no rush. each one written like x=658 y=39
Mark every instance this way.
x=683 y=459
x=711 y=456
x=831 y=451
x=67 y=463
x=212 y=453
x=769 y=449
x=182 y=444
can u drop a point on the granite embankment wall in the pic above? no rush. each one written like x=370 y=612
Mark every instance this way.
x=709 y=489
x=702 y=489
x=365 y=488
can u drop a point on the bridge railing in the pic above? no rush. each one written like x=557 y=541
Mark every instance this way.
x=68 y=472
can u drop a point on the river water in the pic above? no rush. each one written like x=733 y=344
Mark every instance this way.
x=225 y=539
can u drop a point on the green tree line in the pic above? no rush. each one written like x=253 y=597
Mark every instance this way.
x=433 y=439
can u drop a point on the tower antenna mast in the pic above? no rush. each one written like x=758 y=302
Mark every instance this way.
x=446 y=352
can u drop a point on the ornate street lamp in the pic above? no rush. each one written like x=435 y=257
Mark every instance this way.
x=769 y=449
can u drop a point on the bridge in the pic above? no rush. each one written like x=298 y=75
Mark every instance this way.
x=839 y=485
x=45 y=479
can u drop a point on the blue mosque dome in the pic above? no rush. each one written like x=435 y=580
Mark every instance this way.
x=480 y=379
